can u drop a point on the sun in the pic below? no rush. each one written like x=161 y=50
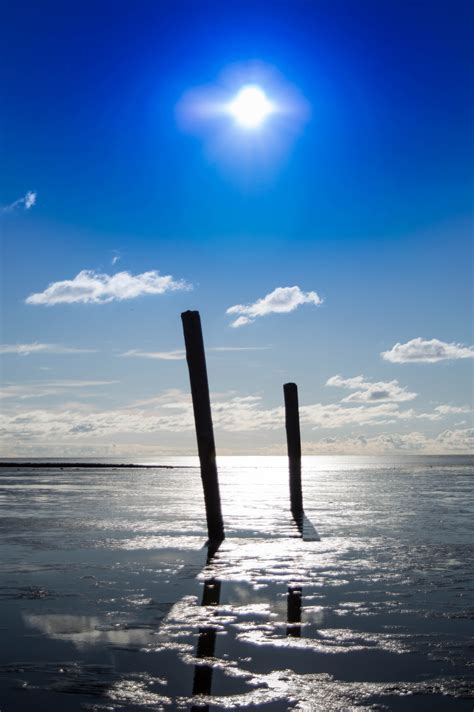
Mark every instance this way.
x=251 y=107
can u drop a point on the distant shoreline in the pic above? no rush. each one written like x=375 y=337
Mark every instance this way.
x=63 y=465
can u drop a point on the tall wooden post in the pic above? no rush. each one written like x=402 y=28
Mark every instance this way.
x=196 y=359
x=293 y=438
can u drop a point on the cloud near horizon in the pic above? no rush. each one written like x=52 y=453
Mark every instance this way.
x=427 y=351
x=281 y=301
x=28 y=200
x=448 y=441
x=177 y=355
x=180 y=354
x=34 y=348
x=371 y=392
x=171 y=411
x=91 y=287
x=42 y=389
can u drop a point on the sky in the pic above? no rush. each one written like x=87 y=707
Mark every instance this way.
x=330 y=246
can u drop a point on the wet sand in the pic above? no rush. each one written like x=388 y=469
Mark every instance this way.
x=108 y=602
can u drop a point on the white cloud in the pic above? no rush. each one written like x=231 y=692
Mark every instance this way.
x=448 y=441
x=177 y=355
x=90 y=287
x=241 y=321
x=240 y=348
x=30 y=199
x=180 y=354
x=459 y=440
x=281 y=301
x=371 y=392
x=72 y=383
x=452 y=409
x=34 y=348
x=41 y=389
x=336 y=415
x=442 y=411
x=171 y=412
x=426 y=351
x=168 y=417
x=27 y=201
x=361 y=444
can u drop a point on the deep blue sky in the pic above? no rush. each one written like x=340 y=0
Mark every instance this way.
x=371 y=205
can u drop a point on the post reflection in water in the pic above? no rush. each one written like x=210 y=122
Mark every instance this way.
x=206 y=643
x=293 y=604
x=202 y=684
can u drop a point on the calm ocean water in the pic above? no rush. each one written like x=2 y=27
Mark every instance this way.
x=108 y=602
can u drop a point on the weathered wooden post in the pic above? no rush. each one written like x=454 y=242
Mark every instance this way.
x=293 y=438
x=196 y=359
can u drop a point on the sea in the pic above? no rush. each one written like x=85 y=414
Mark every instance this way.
x=111 y=600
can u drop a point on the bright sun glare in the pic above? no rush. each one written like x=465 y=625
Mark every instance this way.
x=250 y=107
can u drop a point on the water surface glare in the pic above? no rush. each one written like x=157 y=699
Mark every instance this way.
x=109 y=602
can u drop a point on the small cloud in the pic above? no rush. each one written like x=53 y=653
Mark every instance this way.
x=281 y=301
x=41 y=389
x=180 y=354
x=177 y=355
x=456 y=440
x=371 y=392
x=71 y=383
x=27 y=349
x=447 y=442
x=427 y=351
x=82 y=428
x=240 y=348
x=27 y=201
x=116 y=256
x=443 y=411
x=241 y=321
x=452 y=409
x=90 y=287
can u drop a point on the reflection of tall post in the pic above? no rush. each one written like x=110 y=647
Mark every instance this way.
x=293 y=438
x=206 y=643
x=196 y=359
x=293 y=604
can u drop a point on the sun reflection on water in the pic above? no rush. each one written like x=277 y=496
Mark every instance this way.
x=120 y=587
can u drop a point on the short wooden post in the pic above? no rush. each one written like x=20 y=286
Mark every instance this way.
x=196 y=359
x=293 y=438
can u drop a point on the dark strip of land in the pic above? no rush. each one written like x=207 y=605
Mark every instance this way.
x=63 y=465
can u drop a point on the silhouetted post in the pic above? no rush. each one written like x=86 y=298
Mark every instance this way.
x=196 y=359
x=293 y=438
x=293 y=608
